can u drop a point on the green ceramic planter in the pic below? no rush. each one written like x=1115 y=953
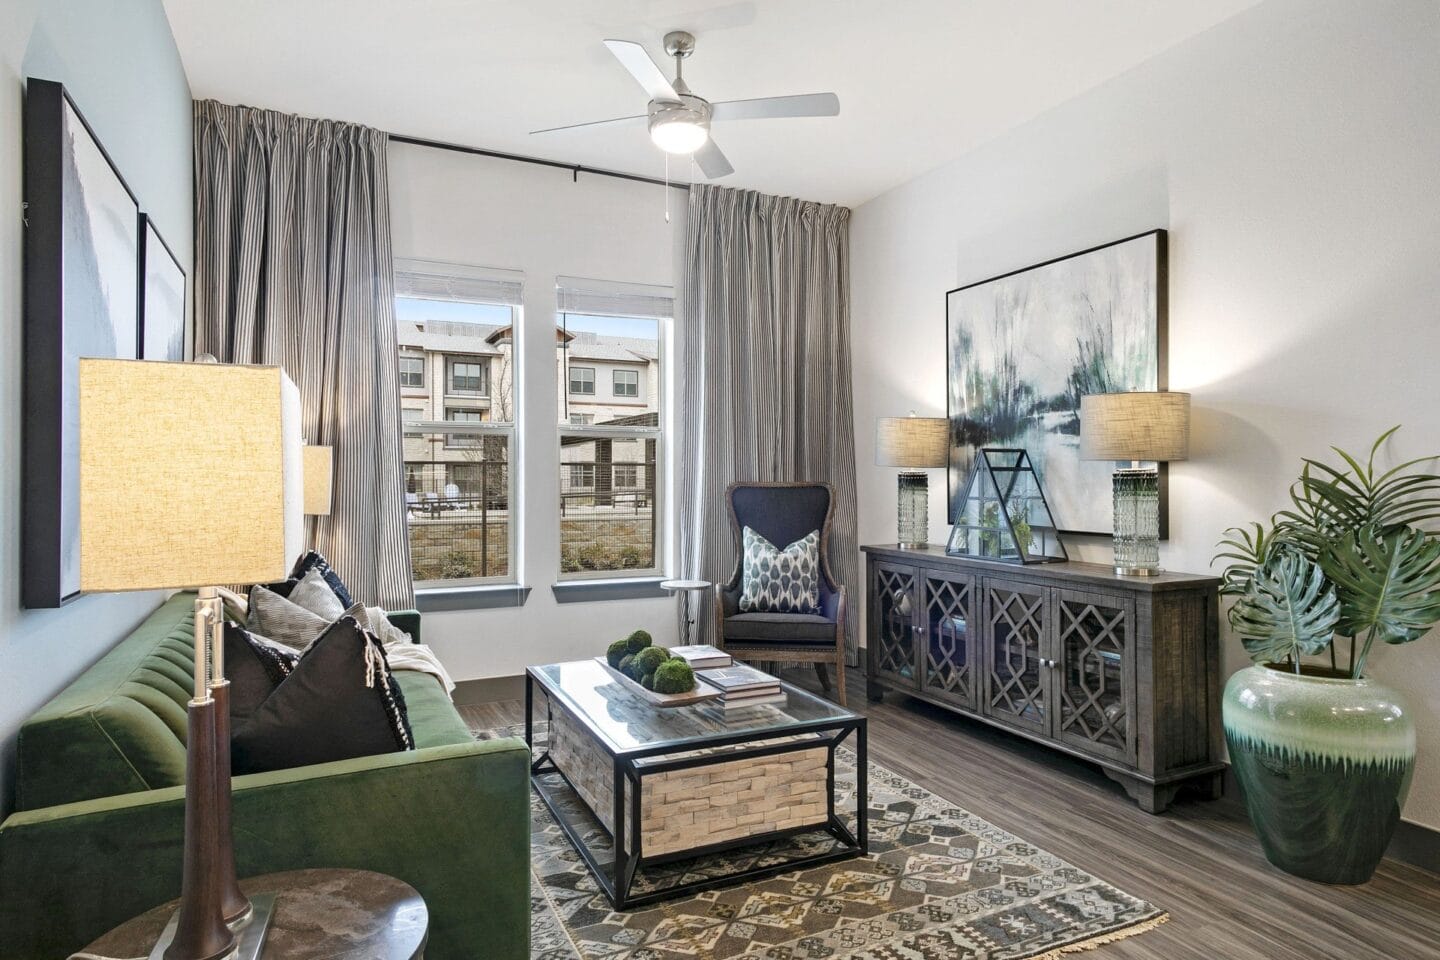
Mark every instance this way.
x=1324 y=764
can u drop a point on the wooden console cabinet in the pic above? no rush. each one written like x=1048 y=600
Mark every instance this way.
x=1123 y=671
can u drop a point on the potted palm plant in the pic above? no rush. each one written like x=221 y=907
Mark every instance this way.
x=1324 y=753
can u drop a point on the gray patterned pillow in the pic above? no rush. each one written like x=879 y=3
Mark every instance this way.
x=315 y=594
x=780 y=581
x=276 y=617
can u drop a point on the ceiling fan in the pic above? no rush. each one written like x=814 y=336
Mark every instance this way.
x=679 y=121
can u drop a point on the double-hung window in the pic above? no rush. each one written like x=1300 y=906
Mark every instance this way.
x=611 y=446
x=461 y=500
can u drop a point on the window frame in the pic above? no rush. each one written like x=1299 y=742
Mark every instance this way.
x=570 y=371
x=483 y=376
x=658 y=433
x=420 y=360
x=419 y=289
x=615 y=383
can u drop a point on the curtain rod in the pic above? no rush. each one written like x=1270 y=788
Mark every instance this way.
x=574 y=168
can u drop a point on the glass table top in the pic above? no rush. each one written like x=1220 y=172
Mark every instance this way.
x=628 y=722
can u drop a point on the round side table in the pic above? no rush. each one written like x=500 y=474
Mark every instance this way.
x=685 y=588
x=319 y=915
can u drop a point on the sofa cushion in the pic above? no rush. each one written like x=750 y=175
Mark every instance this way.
x=276 y=617
x=254 y=666
x=339 y=702
x=804 y=628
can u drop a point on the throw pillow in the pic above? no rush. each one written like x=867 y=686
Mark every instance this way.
x=255 y=666
x=339 y=702
x=277 y=618
x=780 y=581
x=315 y=594
x=313 y=560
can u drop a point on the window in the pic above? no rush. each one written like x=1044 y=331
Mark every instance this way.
x=463 y=415
x=459 y=490
x=610 y=489
x=470 y=377
x=582 y=476
x=412 y=371
x=582 y=380
x=627 y=383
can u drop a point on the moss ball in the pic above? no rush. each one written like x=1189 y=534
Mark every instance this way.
x=638 y=641
x=674 y=676
x=648 y=681
x=617 y=652
x=624 y=665
x=649 y=659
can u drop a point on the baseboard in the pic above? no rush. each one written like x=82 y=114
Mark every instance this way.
x=469 y=693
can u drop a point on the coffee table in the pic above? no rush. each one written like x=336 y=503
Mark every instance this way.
x=680 y=783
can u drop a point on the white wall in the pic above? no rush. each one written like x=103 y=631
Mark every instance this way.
x=120 y=64
x=1294 y=154
x=496 y=213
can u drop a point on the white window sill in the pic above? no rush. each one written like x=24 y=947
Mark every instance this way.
x=620 y=588
x=474 y=597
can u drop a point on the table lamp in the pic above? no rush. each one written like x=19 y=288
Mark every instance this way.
x=319 y=469
x=165 y=504
x=1141 y=426
x=915 y=444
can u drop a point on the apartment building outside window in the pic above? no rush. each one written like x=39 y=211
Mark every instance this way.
x=458 y=321
x=611 y=428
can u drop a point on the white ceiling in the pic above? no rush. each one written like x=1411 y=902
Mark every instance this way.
x=920 y=81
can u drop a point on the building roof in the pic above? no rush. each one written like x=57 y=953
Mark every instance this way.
x=443 y=336
x=588 y=345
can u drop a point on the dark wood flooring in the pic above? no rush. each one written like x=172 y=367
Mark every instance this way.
x=1199 y=861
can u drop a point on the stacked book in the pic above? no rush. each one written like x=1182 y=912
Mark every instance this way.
x=702 y=656
x=742 y=686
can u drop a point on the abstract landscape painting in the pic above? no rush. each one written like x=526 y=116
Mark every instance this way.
x=162 y=303
x=1023 y=348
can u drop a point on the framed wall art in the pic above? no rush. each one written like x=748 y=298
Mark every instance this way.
x=81 y=300
x=162 y=297
x=1024 y=347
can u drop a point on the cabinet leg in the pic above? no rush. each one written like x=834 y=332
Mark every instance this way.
x=1209 y=787
x=874 y=691
x=1151 y=797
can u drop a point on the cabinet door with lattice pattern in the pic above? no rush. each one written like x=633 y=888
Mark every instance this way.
x=1017 y=678
x=1095 y=673
x=893 y=619
x=948 y=656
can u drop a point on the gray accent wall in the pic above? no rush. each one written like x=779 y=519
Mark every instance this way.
x=120 y=64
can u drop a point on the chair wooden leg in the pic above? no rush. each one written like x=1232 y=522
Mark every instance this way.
x=840 y=680
x=824 y=676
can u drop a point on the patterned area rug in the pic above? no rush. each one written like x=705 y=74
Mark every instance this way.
x=938 y=884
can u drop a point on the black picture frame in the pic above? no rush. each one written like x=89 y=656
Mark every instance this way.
x=160 y=286
x=81 y=250
x=962 y=452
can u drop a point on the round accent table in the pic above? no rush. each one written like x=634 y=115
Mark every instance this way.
x=685 y=588
x=329 y=914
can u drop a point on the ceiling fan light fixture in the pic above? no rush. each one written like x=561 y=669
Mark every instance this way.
x=680 y=127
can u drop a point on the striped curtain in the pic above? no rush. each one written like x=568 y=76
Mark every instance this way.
x=764 y=342
x=293 y=267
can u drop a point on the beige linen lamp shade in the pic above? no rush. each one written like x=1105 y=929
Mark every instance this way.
x=319 y=468
x=912 y=442
x=168 y=499
x=1135 y=426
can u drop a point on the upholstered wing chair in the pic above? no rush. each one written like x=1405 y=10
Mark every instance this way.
x=783 y=513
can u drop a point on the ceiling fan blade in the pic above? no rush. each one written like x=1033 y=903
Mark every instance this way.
x=592 y=123
x=765 y=108
x=712 y=162
x=632 y=57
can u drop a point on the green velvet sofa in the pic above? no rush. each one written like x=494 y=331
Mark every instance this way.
x=96 y=836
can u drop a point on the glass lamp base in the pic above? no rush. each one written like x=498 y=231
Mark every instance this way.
x=914 y=510
x=1137 y=522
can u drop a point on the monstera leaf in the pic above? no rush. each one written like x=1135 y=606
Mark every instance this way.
x=1248 y=548
x=1287 y=609
x=1389 y=584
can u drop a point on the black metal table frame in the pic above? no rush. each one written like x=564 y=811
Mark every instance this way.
x=617 y=877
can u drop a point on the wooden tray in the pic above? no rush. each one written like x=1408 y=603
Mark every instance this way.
x=702 y=692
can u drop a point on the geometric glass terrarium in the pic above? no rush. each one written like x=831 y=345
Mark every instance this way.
x=1004 y=515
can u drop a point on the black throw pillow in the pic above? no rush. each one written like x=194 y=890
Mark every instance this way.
x=254 y=668
x=339 y=702
x=314 y=560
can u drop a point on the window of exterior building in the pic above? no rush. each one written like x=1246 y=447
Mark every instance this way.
x=582 y=380
x=412 y=371
x=470 y=377
x=611 y=518
x=627 y=383
x=460 y=493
